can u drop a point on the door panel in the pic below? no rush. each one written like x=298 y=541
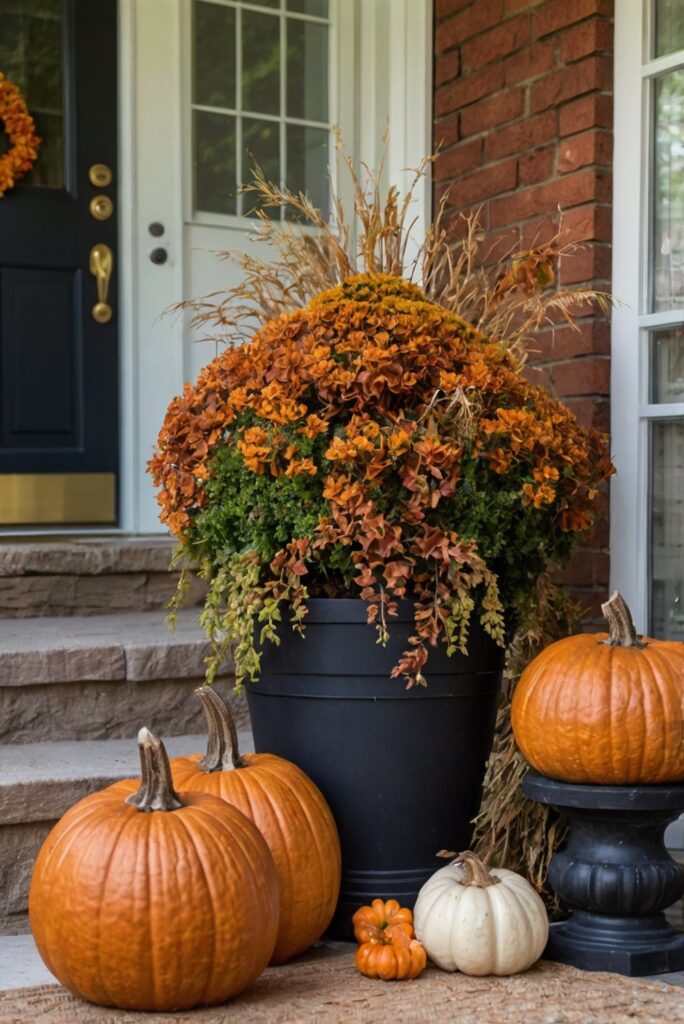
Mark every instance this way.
x=39 y=409
x=58 y=364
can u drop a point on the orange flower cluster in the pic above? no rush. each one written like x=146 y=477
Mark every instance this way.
x=404 y=417
x=20 y=127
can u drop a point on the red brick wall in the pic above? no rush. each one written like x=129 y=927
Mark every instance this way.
x=523 y=111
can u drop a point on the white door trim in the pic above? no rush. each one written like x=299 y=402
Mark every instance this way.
x=631 y=411
x=150 y=351
x=393 y=43
x=628 y=512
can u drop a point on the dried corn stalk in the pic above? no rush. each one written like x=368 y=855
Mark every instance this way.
x=510 y=830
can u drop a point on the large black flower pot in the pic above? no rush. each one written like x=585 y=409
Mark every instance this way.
x=401 y=769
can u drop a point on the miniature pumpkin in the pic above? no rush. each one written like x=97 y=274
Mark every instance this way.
x=480 y=921
x=394 y=956
x=604 y=709
x=289 y=811
x=151 y=900
x=369 y=921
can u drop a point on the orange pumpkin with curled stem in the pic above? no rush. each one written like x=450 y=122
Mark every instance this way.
x=604 y=709
x=370 y=922
x=392 y=957
x=289 y=811
x=147 y=899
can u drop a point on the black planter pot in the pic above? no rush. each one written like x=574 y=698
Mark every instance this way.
x=401 y=769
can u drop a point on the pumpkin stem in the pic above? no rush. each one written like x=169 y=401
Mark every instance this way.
x=223 y=752
x=621 y=629
x=476 y=873
x=156 y=791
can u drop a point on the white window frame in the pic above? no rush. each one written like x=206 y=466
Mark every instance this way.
x=631 y=411
x=193 y=216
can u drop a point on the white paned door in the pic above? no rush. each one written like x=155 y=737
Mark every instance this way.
x=211 y=88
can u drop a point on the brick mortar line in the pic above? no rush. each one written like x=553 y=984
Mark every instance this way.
x=556 y=176
x=509 y=16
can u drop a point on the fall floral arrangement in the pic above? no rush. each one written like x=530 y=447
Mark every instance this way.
x=373 y=438
x=20 y=127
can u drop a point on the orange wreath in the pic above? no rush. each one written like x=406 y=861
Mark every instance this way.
x=21 y=129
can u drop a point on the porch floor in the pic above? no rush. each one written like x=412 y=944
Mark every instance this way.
x=323 y=987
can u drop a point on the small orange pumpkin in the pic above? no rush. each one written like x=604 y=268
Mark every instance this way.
x=392 y=957
x=370 y=922
x=604 y=709
x=289 y=811
x=164 y=910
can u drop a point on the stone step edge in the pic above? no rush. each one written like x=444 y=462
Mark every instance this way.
x=40 y=781
x=85 y=556
x=133 y=647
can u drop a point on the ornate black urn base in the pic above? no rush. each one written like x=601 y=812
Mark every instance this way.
x=615 y=875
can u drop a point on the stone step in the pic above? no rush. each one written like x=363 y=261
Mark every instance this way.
x=88 y=576
x=40 y=781
x=103 y=677
x=21 y=965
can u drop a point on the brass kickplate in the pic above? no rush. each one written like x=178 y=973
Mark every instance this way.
x=42 y=498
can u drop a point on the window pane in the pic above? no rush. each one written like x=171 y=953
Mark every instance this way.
x=214 y=55
x=318 y=8
x=215 y=173
x=307 y=164
x=669 y=26
x=260 y=63
x=261 y=148
x=667 y=365
x=263 y=3
x=667 y=530
x=31 y=57
x=307 y=70
x=668 y=188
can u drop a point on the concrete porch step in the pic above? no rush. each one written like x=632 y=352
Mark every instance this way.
x=87 y=576
x=102 y=677
x=39 y=782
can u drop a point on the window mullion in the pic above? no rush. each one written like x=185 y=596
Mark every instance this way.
x=666 y=318
x=661 y=65
x=283 y=102
x=238 y=104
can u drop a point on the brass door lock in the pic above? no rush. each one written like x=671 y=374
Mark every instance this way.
x=100 y=175
x=101 y=207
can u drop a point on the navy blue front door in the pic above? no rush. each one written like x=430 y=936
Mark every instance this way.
x=58 y=264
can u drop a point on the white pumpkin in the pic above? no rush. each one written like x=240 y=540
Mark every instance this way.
x=478 y=921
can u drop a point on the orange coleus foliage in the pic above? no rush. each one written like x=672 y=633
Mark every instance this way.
x=428 y=456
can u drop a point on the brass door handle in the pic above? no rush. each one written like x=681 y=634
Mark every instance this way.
x=101 y=263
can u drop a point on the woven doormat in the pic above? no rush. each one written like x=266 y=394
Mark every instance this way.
x=328 y=990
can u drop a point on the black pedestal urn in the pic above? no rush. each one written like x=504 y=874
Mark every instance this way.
x=615 y=875
x=401 y=769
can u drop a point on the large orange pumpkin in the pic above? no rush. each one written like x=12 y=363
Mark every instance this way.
x=291 y=814
x=604 y=709
x=164 y=910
